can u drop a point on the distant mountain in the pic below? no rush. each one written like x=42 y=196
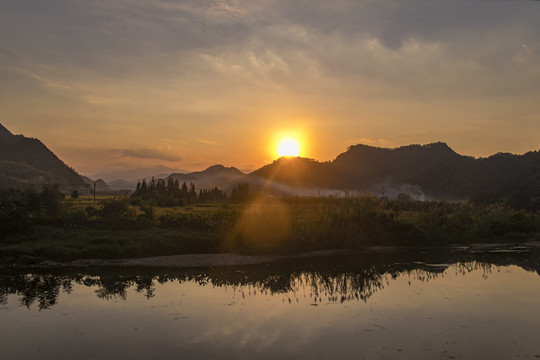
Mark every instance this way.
x=223 y=177
x=432 y=171
x=134 y=175
x=118 y=185
x=26 y=160
x=101 y=186
x=422 y=171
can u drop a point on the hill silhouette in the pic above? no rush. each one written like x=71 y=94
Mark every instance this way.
x=361 y=165
x=27 y=160
x=432 y=171
x=296 y=171
x=217 y=175
x=100 y=185
x=422 y=171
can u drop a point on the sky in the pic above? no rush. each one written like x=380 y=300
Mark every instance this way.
x=117 y=84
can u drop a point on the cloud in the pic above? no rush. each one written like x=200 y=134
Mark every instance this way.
x=150 y=154
x=51 y=84
x=67 y=87
x=254 y=49
x=207 y=142
x=162 y=71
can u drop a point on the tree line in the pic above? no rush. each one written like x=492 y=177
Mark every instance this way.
x=169 y=192
x=19 y=208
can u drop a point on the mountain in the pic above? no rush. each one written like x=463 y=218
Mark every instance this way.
x=122 y=180
x=504 y=175
x=292 y=176
x=422 y=171
x=5 y=132
x=27 y=160
x=432 y=171
x=100 y=185
x=295 y=171
x=361 y=165
x=119 y=185
x=224 y=178
x=132 y=176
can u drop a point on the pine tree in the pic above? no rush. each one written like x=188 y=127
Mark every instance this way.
x=184 y=191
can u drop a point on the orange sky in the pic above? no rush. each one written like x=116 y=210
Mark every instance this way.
x=188 y=84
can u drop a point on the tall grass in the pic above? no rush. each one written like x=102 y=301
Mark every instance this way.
x=114 y=228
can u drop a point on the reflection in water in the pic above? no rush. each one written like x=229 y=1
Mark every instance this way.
x=400 y=305
x=334 y=279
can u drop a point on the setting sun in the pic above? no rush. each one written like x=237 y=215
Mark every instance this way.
x=288 y=147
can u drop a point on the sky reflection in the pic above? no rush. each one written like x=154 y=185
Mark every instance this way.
x=470 y=309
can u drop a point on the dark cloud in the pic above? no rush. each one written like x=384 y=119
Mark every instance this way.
x=124 y=38
x=394 y=21
x=166 y=71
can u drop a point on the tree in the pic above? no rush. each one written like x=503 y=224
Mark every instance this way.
x=184 y=191
x=192 y=195
x=50 y=199
x=240 y=193
x=74 y=194
x=144 y=188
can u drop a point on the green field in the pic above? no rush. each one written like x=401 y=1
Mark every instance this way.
x=37 y=228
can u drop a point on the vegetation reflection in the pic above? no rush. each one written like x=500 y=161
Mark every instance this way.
x=326 y=279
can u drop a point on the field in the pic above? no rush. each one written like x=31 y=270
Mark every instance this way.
x=118 y=227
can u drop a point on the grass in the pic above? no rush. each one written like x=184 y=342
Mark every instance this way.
x=66 y=245
x=115 y=229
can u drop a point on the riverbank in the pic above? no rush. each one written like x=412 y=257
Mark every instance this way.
x=213 y=260
x=166 y=247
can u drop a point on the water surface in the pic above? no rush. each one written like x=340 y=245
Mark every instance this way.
x=397 y=305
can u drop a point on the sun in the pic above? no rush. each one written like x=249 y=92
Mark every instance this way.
x=288 y=147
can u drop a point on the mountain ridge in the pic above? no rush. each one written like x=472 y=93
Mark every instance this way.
x=213 y=176
x=26 y=160
x=432 y=170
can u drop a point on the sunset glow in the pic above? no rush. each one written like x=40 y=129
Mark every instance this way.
x=288 y=147
x=118 y=85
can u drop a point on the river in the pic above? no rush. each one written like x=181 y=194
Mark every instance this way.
x=457 y=303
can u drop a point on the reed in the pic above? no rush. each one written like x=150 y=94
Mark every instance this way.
x=116 y=228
